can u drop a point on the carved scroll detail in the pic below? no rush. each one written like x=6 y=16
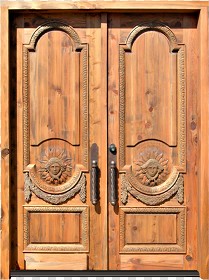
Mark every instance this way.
x=30 y=186
x=155 y=199
x=180 y=192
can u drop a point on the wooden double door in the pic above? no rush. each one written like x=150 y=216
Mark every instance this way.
x=104 y=137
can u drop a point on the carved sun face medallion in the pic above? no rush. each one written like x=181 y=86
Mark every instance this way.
x=151 y=168
x=56 y=167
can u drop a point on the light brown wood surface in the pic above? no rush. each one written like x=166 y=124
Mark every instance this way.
x=85 y=80
x=55 y=262
x=5 y=146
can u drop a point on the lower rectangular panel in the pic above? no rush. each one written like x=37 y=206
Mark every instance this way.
x=56 y=229
x=151 y=262
x=56 y=261
x=152 y=230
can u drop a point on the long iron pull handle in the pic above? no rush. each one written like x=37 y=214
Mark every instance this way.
x=94 y=182
x=113 y=192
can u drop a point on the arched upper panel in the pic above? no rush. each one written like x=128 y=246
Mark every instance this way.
x=152 y=26
x=54 y=25
x=152 y=89
x=55 y=90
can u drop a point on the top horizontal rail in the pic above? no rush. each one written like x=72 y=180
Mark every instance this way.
x=105 y=5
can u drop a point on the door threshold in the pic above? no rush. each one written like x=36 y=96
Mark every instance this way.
x=113 y=273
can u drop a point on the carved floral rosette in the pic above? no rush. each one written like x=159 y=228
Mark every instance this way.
x=53 y=182
x=152 y=183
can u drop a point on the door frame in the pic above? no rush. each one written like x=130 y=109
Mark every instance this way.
x=202 y=8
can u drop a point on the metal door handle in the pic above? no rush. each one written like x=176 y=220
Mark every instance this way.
x=113 y=192
x=94 y=182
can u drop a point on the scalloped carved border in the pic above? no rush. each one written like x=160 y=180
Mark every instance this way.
x=155 y=199
x=155 y=190
x=83 y=48
x=83 y=247
x=74 y=185
x=180 y=50
x=179 y=247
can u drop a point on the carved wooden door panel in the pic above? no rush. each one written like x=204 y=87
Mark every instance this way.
x=65 y=171
x=153 y=123
x=60 y=114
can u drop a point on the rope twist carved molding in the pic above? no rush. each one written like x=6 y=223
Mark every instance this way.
x=182 y=106
x=151 y=26
x=54 y=25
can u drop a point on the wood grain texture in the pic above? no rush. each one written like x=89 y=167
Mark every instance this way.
x=120 y=27
x=97 y=34
x=150 y=229
x=203 y=194
x=65 y=227
x=156 y=262
x=105 y=5
x=5 y=146
x=145 y=230
x=54 y=89
x=103 y=33
x=56 y=262
x=150 y=85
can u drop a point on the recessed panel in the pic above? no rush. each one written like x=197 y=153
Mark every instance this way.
x=152 y=229
x=56 y=228
x=54 y=89
x=150 y=84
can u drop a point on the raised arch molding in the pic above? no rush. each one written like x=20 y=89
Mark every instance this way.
x=152 y=26
x=54 y=25
x=76 y=183
x=179 y=50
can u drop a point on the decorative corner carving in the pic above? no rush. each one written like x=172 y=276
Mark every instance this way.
x=27 y=189
x=180 y=192
x=125 y=187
